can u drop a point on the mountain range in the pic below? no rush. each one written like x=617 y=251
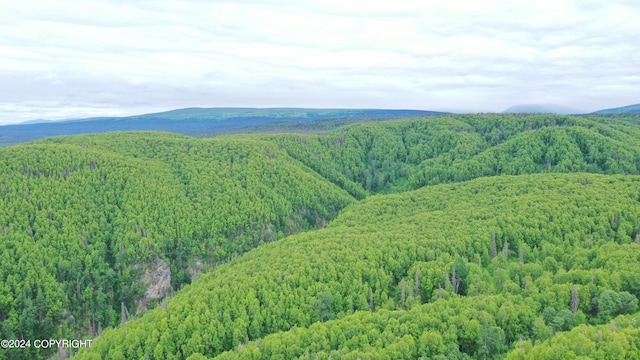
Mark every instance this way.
x=211 y=121
x=191 y=121
x=620 y=110
x=541 y=109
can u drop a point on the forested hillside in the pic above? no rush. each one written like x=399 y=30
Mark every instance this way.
x=402 y=155
x=456 y=236
x=84 y=228
x=458 y=270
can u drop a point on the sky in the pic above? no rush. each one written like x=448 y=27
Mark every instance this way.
x=79 y=58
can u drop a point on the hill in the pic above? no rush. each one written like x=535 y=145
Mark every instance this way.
x=191 y=121
x=97 y=229
x=540 y=109
x=390 y=156
x=620 y=110
x=123 y=219
x=385 y=157
x=431 y=272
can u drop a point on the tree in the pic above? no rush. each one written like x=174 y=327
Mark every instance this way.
x=628 y=303
x=611 y=303
x=541 y=331
x=417 y=290
x=371 y=306
x=548 y=314
x=403 y=294
x=494 y=246
x=575 y=301
x=431 y=344
x=491 y=341
x=459 y=274
x=521 y=256
x=563 y=320
x=608 y=304
x=323 y=307
x=505 y=249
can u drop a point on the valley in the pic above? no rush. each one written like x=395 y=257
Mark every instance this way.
x=445 y=237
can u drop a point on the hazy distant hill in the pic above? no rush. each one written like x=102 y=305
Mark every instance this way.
x=620 y=110
x=541 y=109
x=36 y=121
x=191 y=121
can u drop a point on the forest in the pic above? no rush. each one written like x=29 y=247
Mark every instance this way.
x=447 y=237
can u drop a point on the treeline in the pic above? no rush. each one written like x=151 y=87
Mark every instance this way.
x=83 y=219
x=402 y=155
x=459 y=270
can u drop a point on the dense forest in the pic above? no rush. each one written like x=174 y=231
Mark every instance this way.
x=389 y=156
x=448 y=237
x=458 y=270
x=80 y=225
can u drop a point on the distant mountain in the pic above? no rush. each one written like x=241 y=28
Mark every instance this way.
x=191 y=121
x=541 y=109
x=301 y=114
x=36 y=121
x=620 y=110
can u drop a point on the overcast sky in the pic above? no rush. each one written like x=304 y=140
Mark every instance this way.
x=66 y=59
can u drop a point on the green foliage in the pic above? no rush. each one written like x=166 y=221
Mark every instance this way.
x=323 y=307
x=428 y=331
x=611 y=303
x=82 y=219
x=459 y=276
x=491 y=342
x=619 y=339
x=395 y=156
x=372 y=246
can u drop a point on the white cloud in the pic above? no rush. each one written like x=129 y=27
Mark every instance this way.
x=62 y=58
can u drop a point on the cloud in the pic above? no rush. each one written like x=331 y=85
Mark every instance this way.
x=64 y=58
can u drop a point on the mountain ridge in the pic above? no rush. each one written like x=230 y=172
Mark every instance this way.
x=192 y=121
x=541 y=109
x=620 y=110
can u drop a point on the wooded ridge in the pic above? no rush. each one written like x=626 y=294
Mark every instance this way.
x=451 y=236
